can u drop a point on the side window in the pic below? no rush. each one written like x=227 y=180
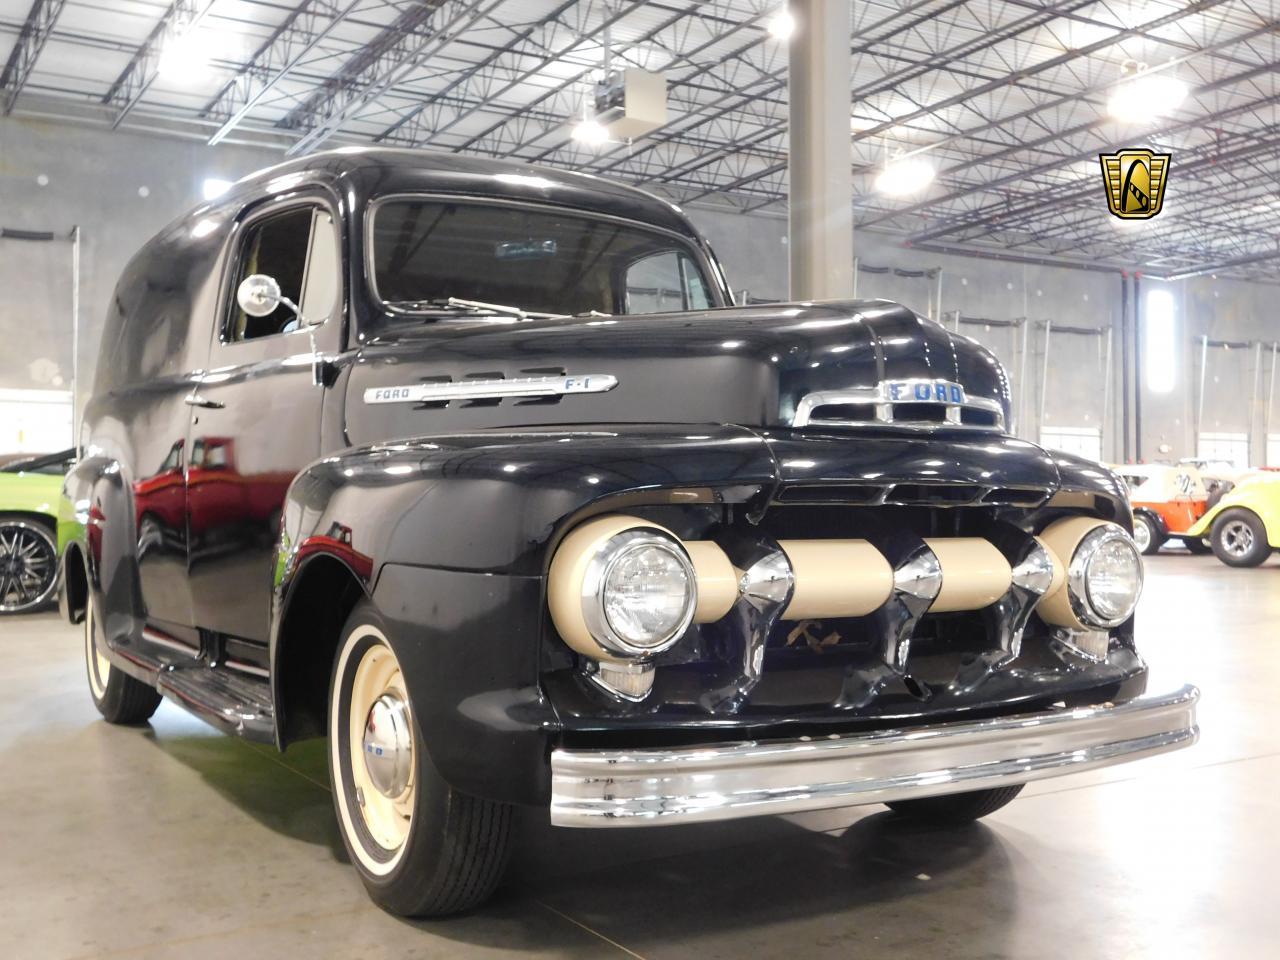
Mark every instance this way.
x=665 y=282
x=320 y=287
x=299 y=249
x=696 y=294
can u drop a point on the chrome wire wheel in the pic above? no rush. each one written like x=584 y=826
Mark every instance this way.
x=96 y=665
x=375 y=737
x=28 y=565
x=1237 y=538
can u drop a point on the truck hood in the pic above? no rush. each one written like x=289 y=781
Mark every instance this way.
x=753 y=366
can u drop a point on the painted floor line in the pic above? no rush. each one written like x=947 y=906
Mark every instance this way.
x=590 y=930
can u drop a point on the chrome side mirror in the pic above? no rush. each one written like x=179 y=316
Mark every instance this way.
x=259 y=295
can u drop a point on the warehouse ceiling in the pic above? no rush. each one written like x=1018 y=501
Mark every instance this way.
x=1006 y=99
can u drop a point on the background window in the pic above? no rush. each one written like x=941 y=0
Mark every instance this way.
x=1232 y=448
x=1082 y=441
x=1161 y=342
x=1273 y=450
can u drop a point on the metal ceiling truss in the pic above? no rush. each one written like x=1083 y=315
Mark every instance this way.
x=1007 y=99
x=414 y=37
x=26 y=49
x=292 y=42
x=132 y=84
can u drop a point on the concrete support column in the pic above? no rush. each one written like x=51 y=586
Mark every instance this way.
x=821 y=209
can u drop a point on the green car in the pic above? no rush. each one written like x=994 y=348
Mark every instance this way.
x=29 y=494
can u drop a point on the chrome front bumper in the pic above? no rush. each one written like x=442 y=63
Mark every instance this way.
x=621 y=788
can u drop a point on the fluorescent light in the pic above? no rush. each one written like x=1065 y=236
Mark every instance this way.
x=213 y=188
x=782 y=25
x=1146 y=97
x=185 y=58
x=591 y=132
x=905 y=176
x=1161 y=341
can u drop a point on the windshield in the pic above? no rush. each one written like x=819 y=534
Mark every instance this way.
x=538 y=261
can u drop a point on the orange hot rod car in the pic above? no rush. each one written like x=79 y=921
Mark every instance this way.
x=1167 y=500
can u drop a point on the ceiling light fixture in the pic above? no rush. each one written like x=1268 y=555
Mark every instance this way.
x=590 y=131
x=186 y=57
x=1145 y=96
x=782 y=25
x=904 y=176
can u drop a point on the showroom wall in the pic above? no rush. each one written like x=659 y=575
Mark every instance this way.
x=142 y=181
x=1003 y=292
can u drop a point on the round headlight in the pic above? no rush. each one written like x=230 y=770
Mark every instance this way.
x=639 y=592
x=1104 y=579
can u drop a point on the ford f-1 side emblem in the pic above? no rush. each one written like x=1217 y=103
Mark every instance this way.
x=921 y=391
x=492 y=389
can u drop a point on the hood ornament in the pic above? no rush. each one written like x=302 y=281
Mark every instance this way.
x=493 y=389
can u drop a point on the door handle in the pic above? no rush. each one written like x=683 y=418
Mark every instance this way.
x=195 y=400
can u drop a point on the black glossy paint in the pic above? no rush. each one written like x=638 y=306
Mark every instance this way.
x=202 y=525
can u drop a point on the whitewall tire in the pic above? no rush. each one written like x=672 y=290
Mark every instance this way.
x=421 y=847
x=1146 y=535
x=119 y=697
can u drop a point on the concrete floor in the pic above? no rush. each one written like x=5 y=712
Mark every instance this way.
x=175 y=841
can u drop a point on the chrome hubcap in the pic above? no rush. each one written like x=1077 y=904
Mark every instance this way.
x=388 y=745
x=27 y=566
x=1237 y=538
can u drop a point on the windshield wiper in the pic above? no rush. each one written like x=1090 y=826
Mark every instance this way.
x=474 y=306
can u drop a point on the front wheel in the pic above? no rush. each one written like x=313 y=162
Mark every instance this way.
x=1239 y=539
x=421 y=848
x=1197 y=546
x=1146 y=535
x=118 y=697
x=954 y=809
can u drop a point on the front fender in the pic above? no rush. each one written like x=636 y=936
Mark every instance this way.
x=1260 y=496
x=448 y=536
x=490 y=502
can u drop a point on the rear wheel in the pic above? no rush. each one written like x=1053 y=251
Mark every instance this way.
x=28 y=564
x=955 y=808
x=1239 y=539
x=1146 y=535
x=421 y=847
x=118 y=697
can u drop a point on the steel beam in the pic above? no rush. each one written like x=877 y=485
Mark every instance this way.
x=415 y=36
x=485 y=141
x=1019 y=76
x=301 y=32
x=181 y=17
x=26 y=49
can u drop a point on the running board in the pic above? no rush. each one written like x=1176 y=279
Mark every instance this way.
x=225 y=698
